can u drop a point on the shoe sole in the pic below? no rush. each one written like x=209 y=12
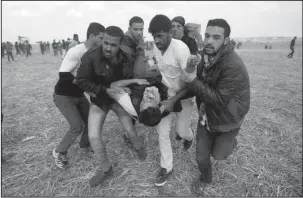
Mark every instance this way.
x=160 y=184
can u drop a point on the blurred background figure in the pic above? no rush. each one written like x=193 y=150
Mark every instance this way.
x=55 y=47
x=17 y=48
x=42 y=49
x=28 y=48
x=9 y=51
x=3 y=49
x=292 y=47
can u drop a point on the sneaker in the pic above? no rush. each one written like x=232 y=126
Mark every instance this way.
x=141 y=153
x=178 y=137
x=60 y=159
x=127 y=140
x=162 y=177
x=187 y=144
x=84 y=142
x=100 y=177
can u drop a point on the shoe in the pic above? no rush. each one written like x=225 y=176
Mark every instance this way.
x=178 y=137
x=198 y=187
x=60 y=159
x=187 y=144
x=141 y=153
x=127 y=140
x=84 y=142
x=100 y=177
x=162 y=177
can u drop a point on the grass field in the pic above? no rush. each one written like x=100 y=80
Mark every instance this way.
x=268 y=161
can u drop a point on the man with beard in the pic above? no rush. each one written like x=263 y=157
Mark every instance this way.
x=69 y=98
x=179 y=33
x=171 y=56
x=99 y=68
x=222 y=89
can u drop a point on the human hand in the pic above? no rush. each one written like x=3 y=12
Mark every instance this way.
x=141 y=81
x=188 y=77
x=168 y=105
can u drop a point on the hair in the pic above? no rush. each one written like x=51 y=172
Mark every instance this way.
x=159 y=23
x=135 y=19
x=220 y=23
x=95 y=29
x=179 y=19
x=115 y=31
x=150 y=116
x=75 y=37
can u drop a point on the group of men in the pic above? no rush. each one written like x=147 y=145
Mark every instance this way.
x=112 y=64
x=63 y=47
x=21 y=49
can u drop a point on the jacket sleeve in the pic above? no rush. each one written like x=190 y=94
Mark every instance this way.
x=85 y=75
x=224 y=91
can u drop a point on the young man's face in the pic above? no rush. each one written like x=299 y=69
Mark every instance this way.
x=136 y=30
x=178 y=30
x=214 y=40
x=151 y=98
x=97 y=39
x=110 y=45
x=162 y=39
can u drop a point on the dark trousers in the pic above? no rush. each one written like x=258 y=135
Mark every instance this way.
x=218 y=144
x=291 y=53
x=10 y=55
x=75 y=110
x=28 y=52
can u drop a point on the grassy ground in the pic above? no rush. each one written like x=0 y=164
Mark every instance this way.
x=268 y=161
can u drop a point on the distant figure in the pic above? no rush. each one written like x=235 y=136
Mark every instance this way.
x=55 y=47
x=266 y=46
x=60 y=50
x=47 y=46
x=269 y=47
x=9 y=51
x=3 y=49
x=239 y=44
x=42 y=49
x=292 y=45
x=233 y=43
x=21 y=48
x=17 y=48
x=28 y=48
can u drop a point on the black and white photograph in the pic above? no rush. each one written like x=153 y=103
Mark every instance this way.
x=151 y=99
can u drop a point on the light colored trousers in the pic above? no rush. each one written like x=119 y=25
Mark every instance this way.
x=183 y=121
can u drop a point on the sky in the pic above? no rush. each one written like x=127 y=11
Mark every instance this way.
x=48 y=20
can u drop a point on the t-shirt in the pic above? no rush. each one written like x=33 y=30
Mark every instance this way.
x=68 y=72
x=72 y=59
x=171 y=63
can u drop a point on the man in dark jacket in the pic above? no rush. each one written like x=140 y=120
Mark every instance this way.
x=222 y=89
x=179 y=33
x=100 y=67
x=292 y=45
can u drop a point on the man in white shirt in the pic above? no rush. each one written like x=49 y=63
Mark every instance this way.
x=171 y=56
x=69 y=98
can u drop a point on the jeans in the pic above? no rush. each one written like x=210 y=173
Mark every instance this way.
x=97 y=116
x=10 y=55
x=75 y=110
x=218 y=144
